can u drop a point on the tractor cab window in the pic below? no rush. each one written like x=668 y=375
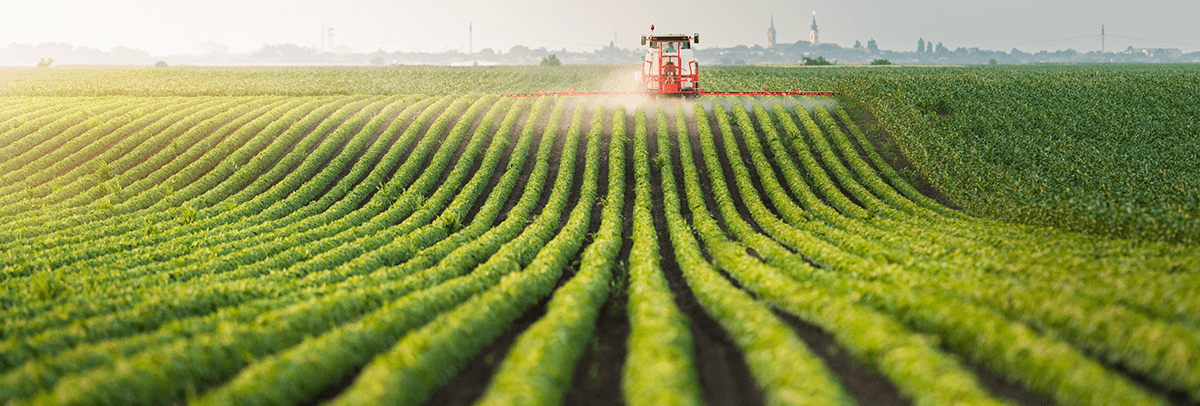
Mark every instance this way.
x=670 y=48
x=654 y=44
x=685 y=45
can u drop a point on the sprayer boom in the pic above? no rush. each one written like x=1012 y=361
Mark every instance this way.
x=701 y=92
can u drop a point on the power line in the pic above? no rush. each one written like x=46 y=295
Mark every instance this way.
x=430 y=37
x=1155 y=29
x=1061 y=39
x=1103 y=35
x=402 y=42
x=1151 y=40
x=1050 y=29
x=481 y=33
x=542 y=40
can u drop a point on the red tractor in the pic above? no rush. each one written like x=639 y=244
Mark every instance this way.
x=670 y=67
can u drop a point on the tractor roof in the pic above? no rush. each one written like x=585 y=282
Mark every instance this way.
x=670 y=37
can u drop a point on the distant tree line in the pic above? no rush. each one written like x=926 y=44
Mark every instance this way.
x=927 y=52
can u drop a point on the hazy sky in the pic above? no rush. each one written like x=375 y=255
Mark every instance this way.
x=164 y=27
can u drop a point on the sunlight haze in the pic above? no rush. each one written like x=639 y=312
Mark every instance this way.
x=178 y=27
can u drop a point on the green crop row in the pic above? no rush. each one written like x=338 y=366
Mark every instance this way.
x=199 y=178
x=1054 y=371
x=272 y=250
x=121 y=183
x=298 y=375
x=914 y=365
x=48 y=174
x=154 y=308
x=427 y=358
x=278 y=340
x=301 y=81
x=538 y=368
x=1086 y=148
x=87 y=306
x=783 y=366
x=84 y=178
x=250 y=309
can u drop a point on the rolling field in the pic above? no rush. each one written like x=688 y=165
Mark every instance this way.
x=932 y=236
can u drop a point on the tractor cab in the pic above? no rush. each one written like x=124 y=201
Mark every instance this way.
x=670 y=66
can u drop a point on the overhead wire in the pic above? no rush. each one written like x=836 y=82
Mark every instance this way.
x=1101 y=35
x=541 y=40
x=1056 y=40
x=1151 y=40
x=1155 y=29
x=394 y=43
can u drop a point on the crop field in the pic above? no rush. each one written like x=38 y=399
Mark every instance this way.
x=930 y=236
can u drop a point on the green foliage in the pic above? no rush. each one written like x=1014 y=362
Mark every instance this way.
x=150 y=227
x=773 y=352
x=188 y=215
x=255 y=250
x=550 y=60
x=819 y=61
x=301 y=81
x=1078 y=147
x=571 y=312
x=103 y=172
x=45 y=285
x=881 y=62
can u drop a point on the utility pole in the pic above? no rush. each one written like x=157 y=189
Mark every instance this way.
x=470 y=38
x=322 y=38
x=1101 y=38
x=330 y=32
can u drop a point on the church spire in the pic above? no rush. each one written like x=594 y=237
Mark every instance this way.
x=812 y=34
x=771 y=33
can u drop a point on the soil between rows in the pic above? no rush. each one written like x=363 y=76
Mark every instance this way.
x=722 y=369
x=889 y=149
x=725 y=379
x=724 y=376
x=606 y=348
x=337 y=387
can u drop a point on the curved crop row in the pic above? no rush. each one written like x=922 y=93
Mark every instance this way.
x=914 y=364
x=540 y=363
x=373 y=249
x=1051 y=373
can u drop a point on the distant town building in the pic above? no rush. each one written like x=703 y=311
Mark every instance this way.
x=771 y=34
x=1152 y=52
x=812 y=33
